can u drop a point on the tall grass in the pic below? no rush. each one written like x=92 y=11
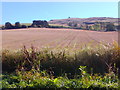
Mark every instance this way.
x=100 y=59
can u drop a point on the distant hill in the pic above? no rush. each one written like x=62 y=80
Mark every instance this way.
x=93 y=23
x=84 y=20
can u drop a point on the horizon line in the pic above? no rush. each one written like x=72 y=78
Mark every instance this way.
x=60 y=19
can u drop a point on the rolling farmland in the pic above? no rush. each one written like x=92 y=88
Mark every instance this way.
x=42 y=37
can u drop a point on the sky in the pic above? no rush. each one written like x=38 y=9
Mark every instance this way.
x=26 y=12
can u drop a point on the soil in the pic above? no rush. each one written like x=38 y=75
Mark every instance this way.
x=49 y=37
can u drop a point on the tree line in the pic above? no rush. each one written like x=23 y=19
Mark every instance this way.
x=96 y=26
x=17 y=25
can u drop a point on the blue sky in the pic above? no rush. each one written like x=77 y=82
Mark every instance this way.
x=26 y=12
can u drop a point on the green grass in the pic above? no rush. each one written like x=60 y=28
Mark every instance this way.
x=58 y=26
x=62 y=68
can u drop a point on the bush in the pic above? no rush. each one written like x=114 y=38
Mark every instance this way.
x=3 y=27
x=101 y=59
x=85 y=68
x=110 y=27
x=35 y=79
x=17 y=25
x=56 y=27
x=8 y=25
x=23 y=26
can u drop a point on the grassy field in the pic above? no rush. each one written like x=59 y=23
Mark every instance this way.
x=27 y=24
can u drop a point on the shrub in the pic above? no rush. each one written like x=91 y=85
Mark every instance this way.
x=17 y=25
x=23 y=26
x=3 y=27
x=8 y=25
x=101 y=59
x=35 y=79
x=110 y=27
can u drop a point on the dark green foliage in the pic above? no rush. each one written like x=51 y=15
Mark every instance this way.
x=35 y=79
x=40 y=23
x=70 y=24
x=36 y=24
x=55 y=26
x=73 y=24
x=3 y=27
x=8 y=25
x=96 y=26
x=110 y=27
x=23 y=26
x=118 y=27
x=17 y=25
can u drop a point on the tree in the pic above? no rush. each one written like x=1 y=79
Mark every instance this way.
x=91 y=28
x=118 y=27
x=3 y=27
x=102 y=25
x=23 y=26
x=83 y=26
x=110 y=27
x=8 y=25
x=97 y=27
x=87 y=27
x=17 y=25
x=70 y=24
x=75 y=25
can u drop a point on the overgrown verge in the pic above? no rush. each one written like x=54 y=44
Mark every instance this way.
x=60 y=68
x=35 y=79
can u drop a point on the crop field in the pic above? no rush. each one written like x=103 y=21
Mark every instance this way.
x=64 y=64
x=46 y=37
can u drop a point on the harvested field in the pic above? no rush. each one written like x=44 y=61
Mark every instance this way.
x=42 y=37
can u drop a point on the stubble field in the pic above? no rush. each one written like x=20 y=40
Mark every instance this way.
x=46 y=37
